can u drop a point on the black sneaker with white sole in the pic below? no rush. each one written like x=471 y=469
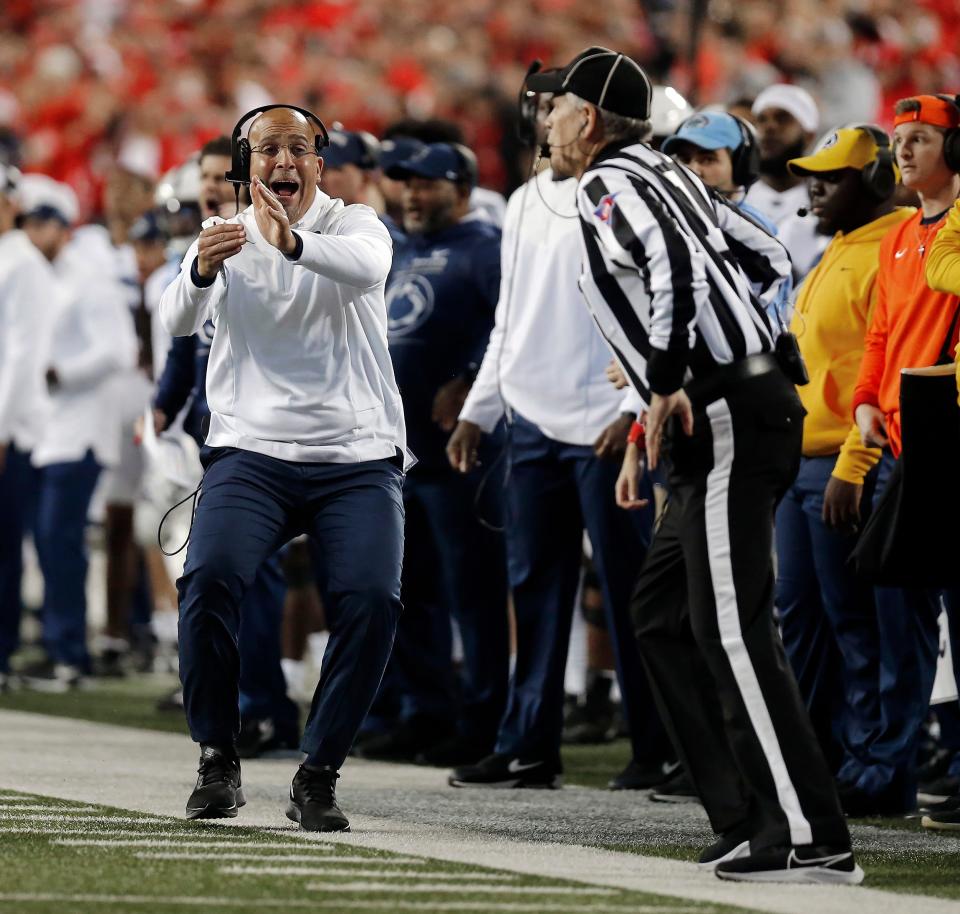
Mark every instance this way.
x=218 y=794
x=508 y=771
x=943 y=816
x=678 y=788
x=808 y=864
x=731 y=845
x=313 y=800
x=50 y=676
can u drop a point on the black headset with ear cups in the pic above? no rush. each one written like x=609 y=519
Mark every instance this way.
x=879 y=177
x=951 y=139
x=240 y=146
x=746 y=157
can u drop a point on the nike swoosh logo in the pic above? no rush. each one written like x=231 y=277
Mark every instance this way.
x=794 y=861
x=516 y=766
x=900 y=254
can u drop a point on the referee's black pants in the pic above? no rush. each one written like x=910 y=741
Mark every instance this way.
x=703 y=609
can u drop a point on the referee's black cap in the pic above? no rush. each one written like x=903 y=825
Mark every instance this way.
x=604 y=78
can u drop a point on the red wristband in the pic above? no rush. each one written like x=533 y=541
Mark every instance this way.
x=637 y=435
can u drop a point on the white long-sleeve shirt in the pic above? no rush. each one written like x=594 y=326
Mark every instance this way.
x=26 y=319
x=299 y=366
x=93 y=351
x=545 y=355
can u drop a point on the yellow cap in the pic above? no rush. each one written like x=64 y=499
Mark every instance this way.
x=848 y=147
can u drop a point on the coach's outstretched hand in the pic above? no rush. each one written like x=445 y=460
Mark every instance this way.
x=216 y=244
x=661 y=409
x=271 y=217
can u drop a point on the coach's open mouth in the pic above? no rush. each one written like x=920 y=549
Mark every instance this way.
x=285 y=189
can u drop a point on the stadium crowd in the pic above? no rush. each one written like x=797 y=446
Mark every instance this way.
x=528 y=499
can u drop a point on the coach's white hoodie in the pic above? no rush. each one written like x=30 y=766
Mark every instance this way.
x=299 y=366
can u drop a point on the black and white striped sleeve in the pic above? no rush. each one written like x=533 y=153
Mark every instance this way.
x=763 y=259
x=636 y=231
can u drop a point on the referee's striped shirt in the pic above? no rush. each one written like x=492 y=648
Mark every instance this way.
x=677 y=278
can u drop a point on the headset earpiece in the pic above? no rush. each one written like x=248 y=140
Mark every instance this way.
x=879 y=177
x=746 y=157
x=951 y=139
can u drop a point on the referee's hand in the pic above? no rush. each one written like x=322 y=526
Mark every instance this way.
x=661 y=409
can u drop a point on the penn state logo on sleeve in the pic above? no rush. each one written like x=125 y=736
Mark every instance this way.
x=604 y=210
x=409 y=303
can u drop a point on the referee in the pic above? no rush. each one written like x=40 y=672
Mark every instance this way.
x=667 y=275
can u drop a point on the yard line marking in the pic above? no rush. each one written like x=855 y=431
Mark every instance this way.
x=284 y=858
x=336 y=904
x=37 y=807
x=189 y=838
x=460 y=889
x=144 y=842
x=115 y=820
x=328 y=872
x=13 y=798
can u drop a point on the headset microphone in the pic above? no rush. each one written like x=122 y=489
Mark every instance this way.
x=803 y=212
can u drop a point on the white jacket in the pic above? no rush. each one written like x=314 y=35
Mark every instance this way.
x=27 y=293
x=94 y=349
x=299 y=367
x=545 y=355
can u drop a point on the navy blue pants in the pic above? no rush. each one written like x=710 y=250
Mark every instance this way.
x=909 y=643
x=249 y=506
x=453 y=566
x=553 y=491
x=263 y=689
x=17 y=482
x=828 y=621
x=63 y=499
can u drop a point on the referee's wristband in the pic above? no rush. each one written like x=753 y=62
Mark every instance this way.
x=637 y=436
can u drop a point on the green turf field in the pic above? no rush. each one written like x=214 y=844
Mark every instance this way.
x=57 y=857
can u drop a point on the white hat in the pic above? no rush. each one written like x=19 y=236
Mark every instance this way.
x=792 y=99
x=40 y=195
x=140 y=155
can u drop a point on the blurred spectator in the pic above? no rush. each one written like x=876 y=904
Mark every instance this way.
x=349 y=166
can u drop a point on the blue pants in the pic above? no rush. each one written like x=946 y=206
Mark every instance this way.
x=828 y=622
x=553 y=491
x=909 y=643
x=65 y=490
x=453 y=566
x=249 y=506
x=263 y=689
x=17 y=481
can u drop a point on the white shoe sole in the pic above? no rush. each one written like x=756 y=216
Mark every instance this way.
x=741 y=850
x=808 y=875
x=933 y=824
x=514 y=784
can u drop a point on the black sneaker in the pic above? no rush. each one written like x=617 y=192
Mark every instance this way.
x=500 y=770
x=48 y=676
x=111 y=664
x=218 y=794
x=731 y=845
x=643 y=775
x=677 y=789
x=258 y=737
x=810 y=864
x=938 y=790
x=943 y=816
x=313 y=800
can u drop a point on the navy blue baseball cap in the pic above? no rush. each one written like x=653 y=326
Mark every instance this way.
x=707 y=130
x=397 y=149
x=436 y=161
x=148 y=228
x=349 y=147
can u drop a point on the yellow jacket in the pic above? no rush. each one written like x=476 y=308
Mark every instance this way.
x=943 y=264
x=833 y=309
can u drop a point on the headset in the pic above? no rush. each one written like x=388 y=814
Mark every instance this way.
x=879 y=177
x=746 y=157
x=527 y=108
x=951 y=139
x=240 y=151
x=470 y=170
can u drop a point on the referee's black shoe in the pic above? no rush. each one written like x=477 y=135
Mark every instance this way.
x=218 y=794
x=313 y=800
x=506 y=771
x=807 y=864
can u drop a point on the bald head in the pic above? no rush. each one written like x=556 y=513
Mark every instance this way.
x=283 y=156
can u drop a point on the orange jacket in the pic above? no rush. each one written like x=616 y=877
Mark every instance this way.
x=909 y=324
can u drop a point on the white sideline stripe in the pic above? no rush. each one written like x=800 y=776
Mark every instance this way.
x=442 y=888
x=13 y=798
x=189 y=839
x=36 y=807
x=145 y=842
x=717 y=524
x=336 y=904
x=77 y=820
x=282 y=858
x=336 y=871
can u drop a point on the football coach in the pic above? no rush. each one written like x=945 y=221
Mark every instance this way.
x=669 y=275
x=306 y=436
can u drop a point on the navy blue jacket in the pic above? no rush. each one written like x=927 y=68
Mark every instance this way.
x=441 y=296
x=185 y=374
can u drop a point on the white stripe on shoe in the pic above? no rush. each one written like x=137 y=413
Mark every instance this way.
x=716 y=504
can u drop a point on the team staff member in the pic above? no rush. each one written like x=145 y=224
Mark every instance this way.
x=441 y=296
x=545 y=367
x=827 y=618
x=306 y=435
x=26 y=312
x=910 y=325
x=677 y=309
